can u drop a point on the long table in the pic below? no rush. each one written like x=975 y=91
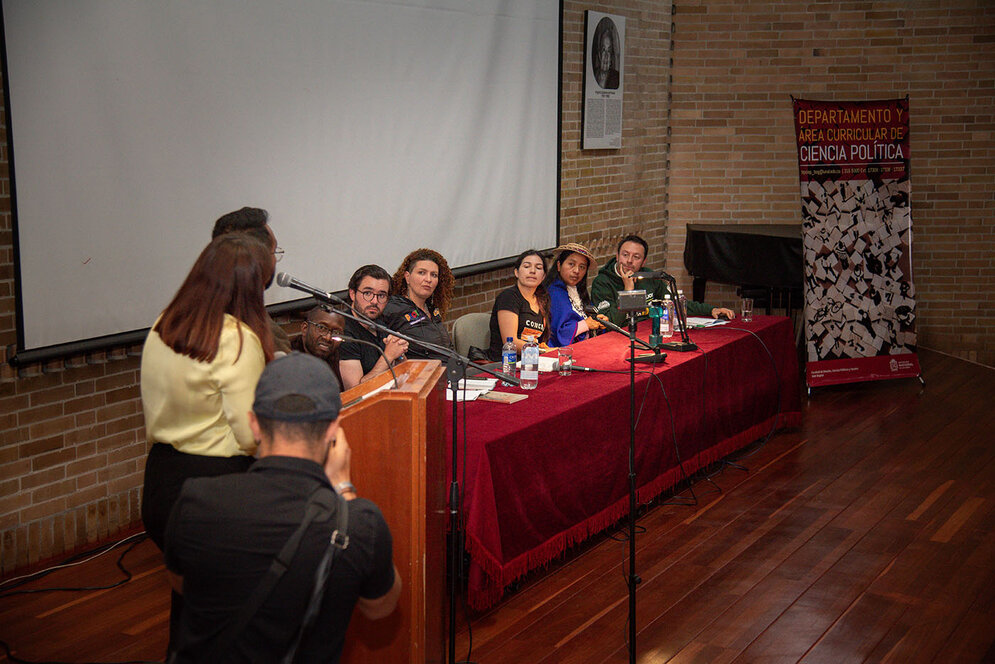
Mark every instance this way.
x=550 y=471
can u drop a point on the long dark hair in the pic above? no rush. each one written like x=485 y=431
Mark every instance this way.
x=542 y=293
x=228 y=277
x=443 y=290
x=554 y=273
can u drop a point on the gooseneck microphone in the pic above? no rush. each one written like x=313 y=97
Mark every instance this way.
x=593 y=310
x=659 y=274
x=285 y=280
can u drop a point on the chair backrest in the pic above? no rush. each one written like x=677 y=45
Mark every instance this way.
x=472 y=330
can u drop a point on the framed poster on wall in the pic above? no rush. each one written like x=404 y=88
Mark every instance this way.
x=604 y=81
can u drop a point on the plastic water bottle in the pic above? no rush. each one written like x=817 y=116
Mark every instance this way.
x=656 y=315
x=667 y=318
x=509 y=356
x=529 y=375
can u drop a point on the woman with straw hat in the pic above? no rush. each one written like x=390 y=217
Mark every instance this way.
x=567 y=286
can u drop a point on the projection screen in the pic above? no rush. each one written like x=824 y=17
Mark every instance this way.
x=366 y=128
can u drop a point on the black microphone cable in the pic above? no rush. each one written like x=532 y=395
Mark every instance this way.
x=76 y=559
x=693 y=500
x=342 y=338
x=673 y=427
x=777 y=408
x=80 y=558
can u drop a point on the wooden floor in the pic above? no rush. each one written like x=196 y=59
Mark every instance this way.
x=868 y=535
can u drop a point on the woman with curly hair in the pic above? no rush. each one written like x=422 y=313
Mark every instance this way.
x=420 y=293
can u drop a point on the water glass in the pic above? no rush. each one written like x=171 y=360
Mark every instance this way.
x=746 y=309
x=565 y=359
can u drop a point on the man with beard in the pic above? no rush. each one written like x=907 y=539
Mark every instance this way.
x=317 y=331
x=618 y=274
x=369 y=289
x=255 y=222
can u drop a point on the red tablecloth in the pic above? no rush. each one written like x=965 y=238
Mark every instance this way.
x=552 y=470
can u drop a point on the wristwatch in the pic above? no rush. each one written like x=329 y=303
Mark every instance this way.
x=345 y=487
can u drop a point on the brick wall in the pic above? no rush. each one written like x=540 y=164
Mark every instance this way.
x=736 y=64
x=72 y=444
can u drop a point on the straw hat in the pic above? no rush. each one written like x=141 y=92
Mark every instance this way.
x=592 y=264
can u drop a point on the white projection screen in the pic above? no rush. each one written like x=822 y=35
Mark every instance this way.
x=365 y=128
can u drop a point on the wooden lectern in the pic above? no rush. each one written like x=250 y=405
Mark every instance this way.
x=398 y=461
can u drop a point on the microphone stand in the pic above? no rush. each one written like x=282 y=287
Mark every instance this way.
x=656 y=358
x=685 y=344
x=633 y=579
x=456 y=367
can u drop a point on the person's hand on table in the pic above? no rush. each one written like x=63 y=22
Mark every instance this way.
x=593 y=323
x=722 y=312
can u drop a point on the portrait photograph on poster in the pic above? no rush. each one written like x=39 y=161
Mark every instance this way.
x=604 y=81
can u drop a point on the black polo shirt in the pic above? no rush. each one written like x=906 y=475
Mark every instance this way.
x=223 y=534
x=402 y=315
x=367 y=355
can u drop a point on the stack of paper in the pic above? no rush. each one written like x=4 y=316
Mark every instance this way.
x=471 y=388
x=699 y=321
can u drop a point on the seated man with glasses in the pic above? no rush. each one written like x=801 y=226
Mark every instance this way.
x=316 y=336
x=369 y=288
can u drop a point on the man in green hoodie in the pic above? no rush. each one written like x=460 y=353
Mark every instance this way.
x=617 y=275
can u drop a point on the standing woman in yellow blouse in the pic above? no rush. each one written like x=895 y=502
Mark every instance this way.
x=200 y=365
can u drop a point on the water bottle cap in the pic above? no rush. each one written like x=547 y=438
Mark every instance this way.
x=508 y=339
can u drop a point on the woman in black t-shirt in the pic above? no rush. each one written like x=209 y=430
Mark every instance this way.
x=523 y=310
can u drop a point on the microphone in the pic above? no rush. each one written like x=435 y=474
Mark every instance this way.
x=659 y=274
x=287 y=281
x=593 y=310
x=341 y=337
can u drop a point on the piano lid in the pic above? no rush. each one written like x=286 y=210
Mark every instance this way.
x=745 y=254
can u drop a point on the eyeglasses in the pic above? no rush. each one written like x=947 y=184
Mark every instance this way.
x=369 y=295
x=278 y=253
x=323 y=330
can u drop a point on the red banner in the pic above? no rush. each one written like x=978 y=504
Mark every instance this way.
x=853 y=163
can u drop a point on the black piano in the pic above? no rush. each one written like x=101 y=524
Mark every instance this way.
x=763 y=260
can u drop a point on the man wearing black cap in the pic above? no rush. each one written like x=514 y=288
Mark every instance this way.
x=225 y=533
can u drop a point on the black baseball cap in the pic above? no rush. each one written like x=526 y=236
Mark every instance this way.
x=297 y=388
